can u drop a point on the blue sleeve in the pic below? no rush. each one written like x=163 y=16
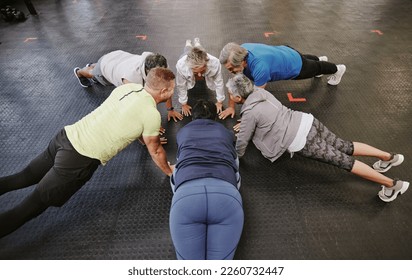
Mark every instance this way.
x=261 y=74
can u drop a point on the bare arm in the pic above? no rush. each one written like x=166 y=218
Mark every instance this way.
x=157 y=153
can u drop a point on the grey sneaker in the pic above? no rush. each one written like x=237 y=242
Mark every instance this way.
x=335 y=78
x=384 y=165
x=83 y=81
x=390 y=194
x=322 y=58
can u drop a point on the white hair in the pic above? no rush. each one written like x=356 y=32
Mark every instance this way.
x=240 y=85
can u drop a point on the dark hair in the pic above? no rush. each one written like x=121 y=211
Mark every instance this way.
x=204 y=109
x=154 y=60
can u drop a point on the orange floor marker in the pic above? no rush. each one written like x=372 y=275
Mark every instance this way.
x=29 y=39
x=292 y=99
x=377 y=32
x=143 y=37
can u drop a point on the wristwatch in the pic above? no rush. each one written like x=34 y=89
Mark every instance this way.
x=170 y=109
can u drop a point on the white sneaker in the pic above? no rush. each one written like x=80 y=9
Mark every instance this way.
x=188 y=43
x=322 y=58
x=197 y=42
x=384 y=165
x=390 y=194
x=335 y=78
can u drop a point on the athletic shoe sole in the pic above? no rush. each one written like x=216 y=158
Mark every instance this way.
x=385 y=198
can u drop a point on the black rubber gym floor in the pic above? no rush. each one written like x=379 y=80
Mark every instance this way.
x=294 y=208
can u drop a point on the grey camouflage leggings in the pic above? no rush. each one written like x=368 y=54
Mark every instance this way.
x=323 y=145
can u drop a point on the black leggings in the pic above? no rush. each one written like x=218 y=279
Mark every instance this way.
x=59 y=172
x=311 y=67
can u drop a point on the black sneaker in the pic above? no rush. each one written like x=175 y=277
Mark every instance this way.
x=83 y=81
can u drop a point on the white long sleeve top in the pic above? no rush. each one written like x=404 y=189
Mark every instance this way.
x=185 y=79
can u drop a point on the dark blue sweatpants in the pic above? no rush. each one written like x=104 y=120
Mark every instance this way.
x=206 y=220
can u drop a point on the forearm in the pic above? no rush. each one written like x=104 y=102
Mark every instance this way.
x=181 y=87
x=220 y=87
x=182 y=94
x=246 y=131
x=241 y=148
x=219 y=84
x=169 y=103
x=160 y=159
x=231 y=104
x=220 y=94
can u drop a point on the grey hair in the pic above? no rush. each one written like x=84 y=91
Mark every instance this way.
x=197 y=57
x=240 y=85
x=233 y=53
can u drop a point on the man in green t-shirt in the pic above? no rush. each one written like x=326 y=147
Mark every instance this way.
x=73 y=155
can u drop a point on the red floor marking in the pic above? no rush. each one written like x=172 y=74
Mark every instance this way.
x=143 y=37
x=267 y=34
x=29 y=39
x=377 y=32
x=292 y=99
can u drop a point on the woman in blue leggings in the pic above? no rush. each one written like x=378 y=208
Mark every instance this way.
x=206 y=216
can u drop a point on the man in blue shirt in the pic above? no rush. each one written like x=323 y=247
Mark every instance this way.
x=263 y=63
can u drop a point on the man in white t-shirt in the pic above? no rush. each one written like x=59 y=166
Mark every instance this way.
x=119 y=67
